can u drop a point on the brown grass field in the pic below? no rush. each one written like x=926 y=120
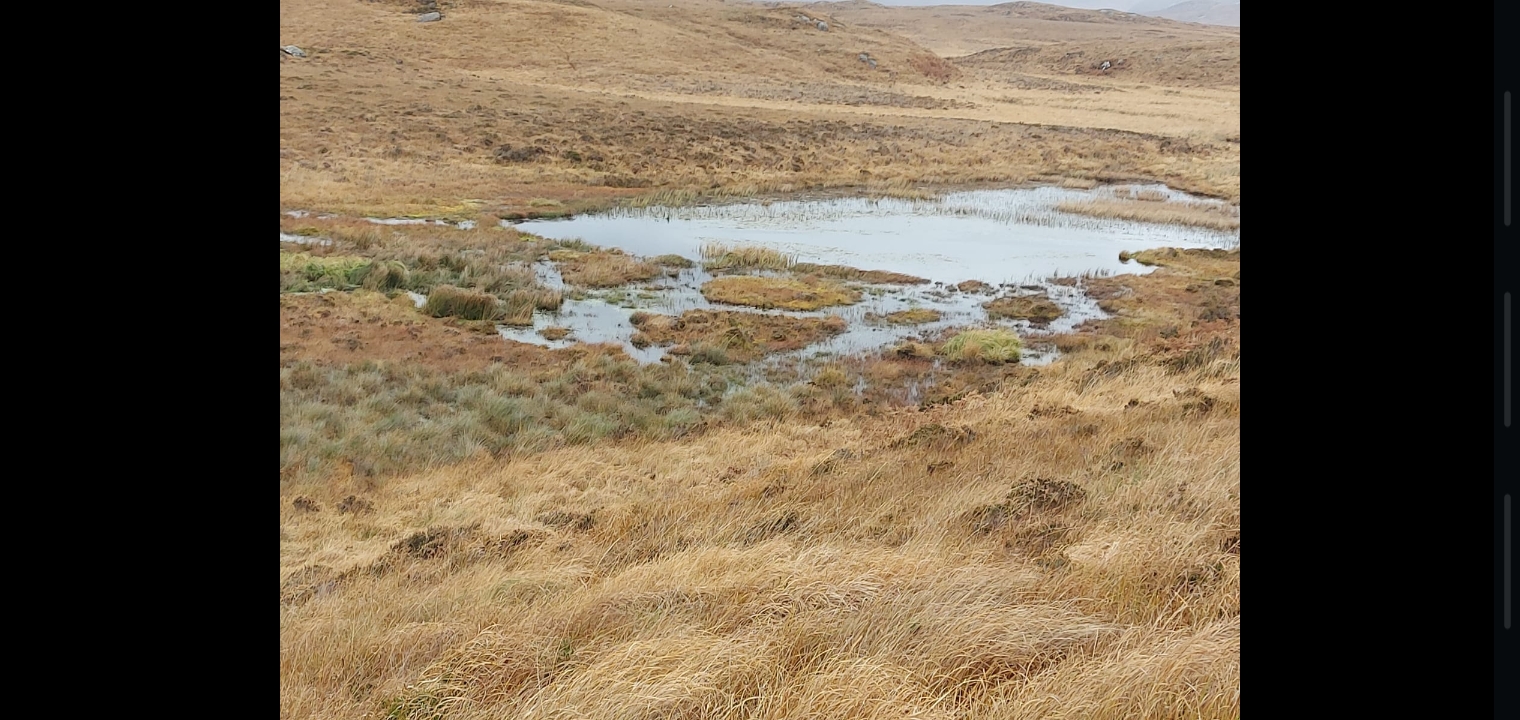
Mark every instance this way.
x=475 y=528
x=508 y=102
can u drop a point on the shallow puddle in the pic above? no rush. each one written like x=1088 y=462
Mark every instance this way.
x=997 y=236
x=1015 y=240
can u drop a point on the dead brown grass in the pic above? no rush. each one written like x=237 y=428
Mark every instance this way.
x=1035 y=308
x=506 y=103
x=351 y=328
x=845 y=272
x=911 y=563
x=775 y=292
x=743 y=336
x=602 y=268
x=913 y=316
x=957 y=30
x=1053 y=542
x=845 y=571
x=1191 y=289
x=1216 y=217
x=719 y=257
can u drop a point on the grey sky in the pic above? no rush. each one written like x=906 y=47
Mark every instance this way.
x=1126 y=5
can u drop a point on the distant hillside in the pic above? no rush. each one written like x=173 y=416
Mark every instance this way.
x=1208 y=12
x=961 y=30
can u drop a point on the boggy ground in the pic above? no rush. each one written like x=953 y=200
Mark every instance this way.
x=1061 y=542
x=346 y=328
x=735 y=336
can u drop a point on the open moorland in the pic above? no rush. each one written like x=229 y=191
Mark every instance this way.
x=716 y=359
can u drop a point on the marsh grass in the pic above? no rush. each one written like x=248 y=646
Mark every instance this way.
x=383 y=275
x=743 y=336
x=774 y=292
x=601 y=268
x=722 y=256
x=989 y=346
x=672 y=261
x=671 y=197
x=305 y=272
x=450 y=301
x=596 y=538
x=845 y=272
x=1037 y=309
x=912 y=316
x=406 y=417
x=1045 y=551
x=1204 y=215
x=418 y=258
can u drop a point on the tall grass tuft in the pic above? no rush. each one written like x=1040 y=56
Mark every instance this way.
x=722 y=256
x=382 y=275
x=450 y=301
x=989 y=346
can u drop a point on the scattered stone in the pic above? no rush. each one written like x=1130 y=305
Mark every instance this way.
x=823 y=26
x=430 y=17
x=293 y=51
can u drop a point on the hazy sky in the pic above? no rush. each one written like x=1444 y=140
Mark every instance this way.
x=1089 y=4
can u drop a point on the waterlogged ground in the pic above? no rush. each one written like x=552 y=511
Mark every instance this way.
x=1014 y=240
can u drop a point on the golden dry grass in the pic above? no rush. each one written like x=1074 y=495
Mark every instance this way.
x=845 y=272
x=602 y=268
x=743 y=336
x=508 y=102
x=1211 y=216
x=959 y=30
x=1037 y=308
x=775 y=292
x=874 y=568
x=912 y=316
x=723 y=256
x=1052 y=542
x=993 y=346
x=1190 y=287
x=1066 y=547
